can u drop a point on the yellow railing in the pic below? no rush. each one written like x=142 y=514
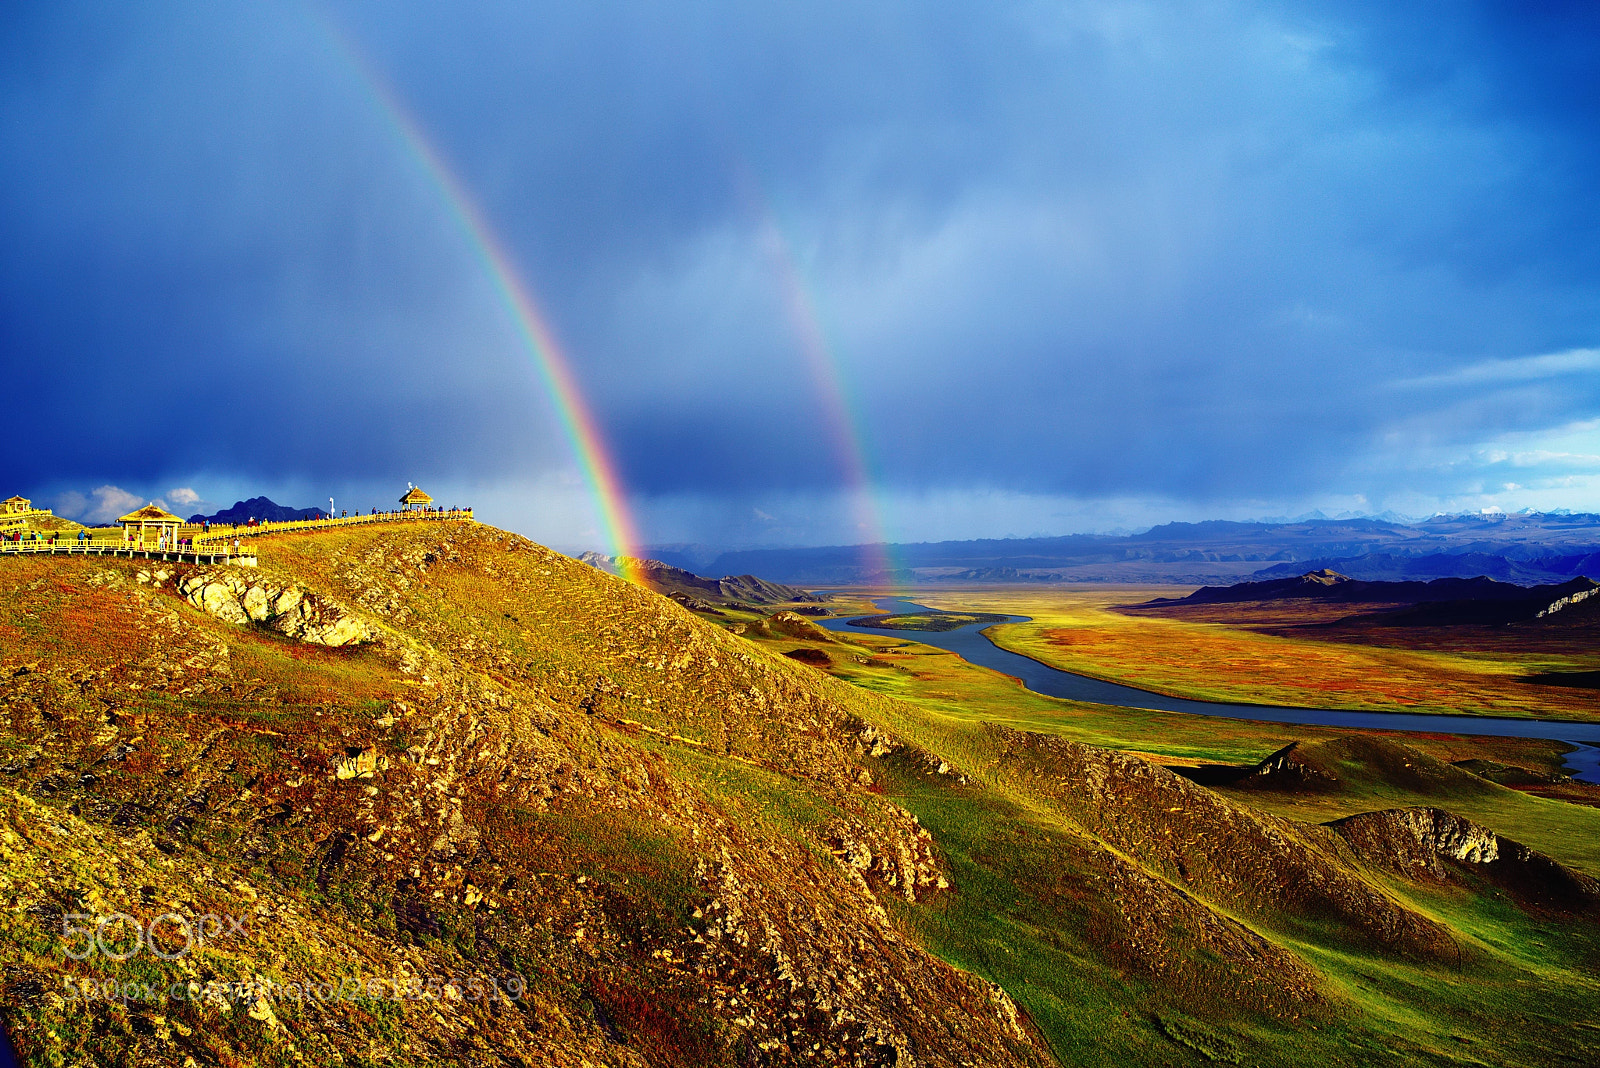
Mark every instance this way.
x=97 y=538
x=74 y=546
x=225 y=533
x=9 y=520
x=192 y=537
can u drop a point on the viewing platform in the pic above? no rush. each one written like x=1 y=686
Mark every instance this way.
x=151 y=533
x=18 y=512
x=14 y=520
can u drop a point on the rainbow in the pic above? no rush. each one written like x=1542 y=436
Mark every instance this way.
x=533 y=327
x=848 y=431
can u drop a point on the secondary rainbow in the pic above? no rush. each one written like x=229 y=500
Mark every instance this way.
x=533 y=329
x=848 y=434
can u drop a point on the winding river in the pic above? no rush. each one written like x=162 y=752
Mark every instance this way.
x=972 y=644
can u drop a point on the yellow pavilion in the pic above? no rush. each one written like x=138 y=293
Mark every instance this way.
x=151 y=520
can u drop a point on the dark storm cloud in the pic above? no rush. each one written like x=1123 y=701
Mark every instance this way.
x=216 y=256
x=1198 y=252
x=1089 y=249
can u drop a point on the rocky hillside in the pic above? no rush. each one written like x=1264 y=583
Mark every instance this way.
x=441 y=795
x=455 y=761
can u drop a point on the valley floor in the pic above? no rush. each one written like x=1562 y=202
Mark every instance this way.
x=1291 y=655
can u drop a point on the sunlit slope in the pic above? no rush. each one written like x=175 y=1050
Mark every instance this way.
x=488 y=790
x=690 y=848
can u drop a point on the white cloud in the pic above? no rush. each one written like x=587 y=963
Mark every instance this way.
x=103 y=504
x=183 y=496
x=1520 y=369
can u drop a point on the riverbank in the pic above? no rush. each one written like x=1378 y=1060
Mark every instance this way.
x=975 y=643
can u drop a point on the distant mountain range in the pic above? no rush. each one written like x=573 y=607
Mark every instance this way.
x=1388 y=567
x=261 y=508
x=1441 y=602
x=1527 y=549
x=698 y=592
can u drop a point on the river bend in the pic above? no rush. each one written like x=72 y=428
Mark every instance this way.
x=971 y=643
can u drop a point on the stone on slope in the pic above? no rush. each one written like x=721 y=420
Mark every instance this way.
x=290 y=610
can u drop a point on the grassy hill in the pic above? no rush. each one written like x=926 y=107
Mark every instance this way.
x=444 y=795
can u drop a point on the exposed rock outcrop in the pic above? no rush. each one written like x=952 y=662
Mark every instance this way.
x=797 y=626
x=1567 y=602
x=1358 y=762
x=898 y=856
x=290 y=610
x=1429 y=843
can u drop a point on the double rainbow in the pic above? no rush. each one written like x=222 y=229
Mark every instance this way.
x=555 y=370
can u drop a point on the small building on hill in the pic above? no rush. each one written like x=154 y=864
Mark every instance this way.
x=12 y=505
x=151 y=526
x=415 y=500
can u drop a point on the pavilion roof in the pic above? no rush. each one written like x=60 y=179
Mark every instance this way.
x=414 y=495
x=16 y=500
x=150 y=514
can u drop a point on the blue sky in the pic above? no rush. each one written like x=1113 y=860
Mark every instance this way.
x=1080 y=266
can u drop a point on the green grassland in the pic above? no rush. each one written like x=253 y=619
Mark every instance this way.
x=1535 y=975
x=954 y=699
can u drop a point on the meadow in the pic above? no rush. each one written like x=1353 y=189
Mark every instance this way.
x=1080 y=630
x=1022 y=914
